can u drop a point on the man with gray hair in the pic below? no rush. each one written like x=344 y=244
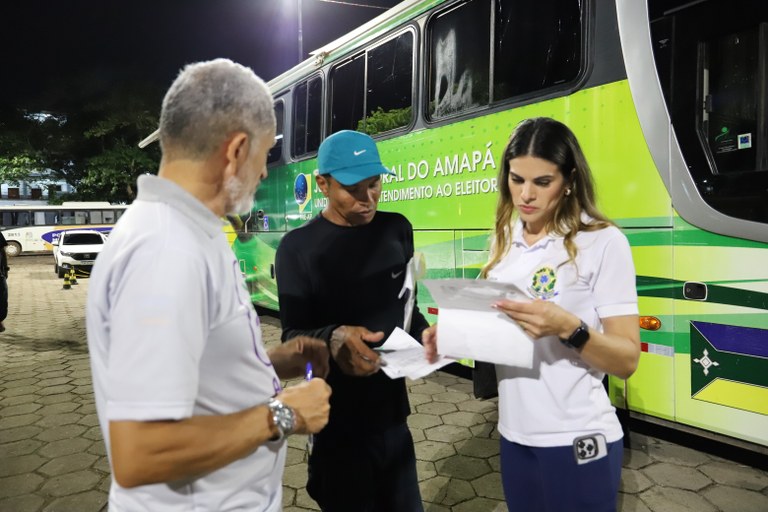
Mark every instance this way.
x=189 y=400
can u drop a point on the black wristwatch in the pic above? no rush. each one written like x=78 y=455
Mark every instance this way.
x=283 y=418
x=578 y=338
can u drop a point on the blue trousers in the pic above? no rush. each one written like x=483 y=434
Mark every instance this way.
x=551 y=480
x=364 y=471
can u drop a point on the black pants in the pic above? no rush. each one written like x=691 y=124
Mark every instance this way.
x=3 y=298
x=365 y=472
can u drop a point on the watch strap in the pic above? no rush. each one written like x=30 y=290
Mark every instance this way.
x=578 y=337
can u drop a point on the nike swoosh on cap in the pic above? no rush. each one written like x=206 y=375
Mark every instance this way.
x=396 y=274
x=358 y=153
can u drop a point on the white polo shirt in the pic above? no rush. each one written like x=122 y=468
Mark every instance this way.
x=172 y=334
x=561 y=397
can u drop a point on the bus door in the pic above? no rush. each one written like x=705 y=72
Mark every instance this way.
x=712 y=63
x=723 y=383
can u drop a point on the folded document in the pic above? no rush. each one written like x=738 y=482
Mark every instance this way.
x=403 y=356
x=468 y=327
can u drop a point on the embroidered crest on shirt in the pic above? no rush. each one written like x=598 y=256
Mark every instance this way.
x=543 y=283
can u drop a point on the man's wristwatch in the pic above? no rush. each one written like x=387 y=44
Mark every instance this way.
x=283 y=418
x=578 y=338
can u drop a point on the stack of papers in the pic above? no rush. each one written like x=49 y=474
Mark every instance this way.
x=469 y=328
x=403 y=356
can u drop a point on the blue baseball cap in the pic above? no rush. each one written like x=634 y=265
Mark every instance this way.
x=350 y=157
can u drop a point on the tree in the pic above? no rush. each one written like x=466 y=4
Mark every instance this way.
x=90 y=142
x=124 y=117
x=22 y=139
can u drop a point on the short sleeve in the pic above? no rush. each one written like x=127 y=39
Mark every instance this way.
x=158 y=323
x=615 y=292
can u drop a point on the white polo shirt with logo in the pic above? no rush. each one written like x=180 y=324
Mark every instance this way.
x=172 y=333
x=561 y=397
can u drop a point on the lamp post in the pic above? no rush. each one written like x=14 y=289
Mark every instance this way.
x=301 y=35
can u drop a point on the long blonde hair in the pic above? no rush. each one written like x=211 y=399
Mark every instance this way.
x=551 y=140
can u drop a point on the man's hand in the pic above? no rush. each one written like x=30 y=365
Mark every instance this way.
x=309 y=400
x=352 y=354
x=290 y=358
x=150 y=452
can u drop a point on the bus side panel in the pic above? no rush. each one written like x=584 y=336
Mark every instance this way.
x=279 y=205
x=301 y=197
x=472 y=248
x=269 y=208
x=650 y=389
x=437 y=247
x=446 y=176
x=721 y=326
x=256 y=256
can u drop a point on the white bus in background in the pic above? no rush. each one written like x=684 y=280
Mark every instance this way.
x=29 y=228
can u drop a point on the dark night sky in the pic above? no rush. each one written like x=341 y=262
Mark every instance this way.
x=50 y=49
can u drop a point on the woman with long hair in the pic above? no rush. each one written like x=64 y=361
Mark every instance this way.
x=561 y=443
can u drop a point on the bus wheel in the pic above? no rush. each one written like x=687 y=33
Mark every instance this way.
x=12 y=249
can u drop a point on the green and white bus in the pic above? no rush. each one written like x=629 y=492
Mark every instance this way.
x=669 y=99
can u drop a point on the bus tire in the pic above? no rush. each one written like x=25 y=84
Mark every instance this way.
x=13 y=249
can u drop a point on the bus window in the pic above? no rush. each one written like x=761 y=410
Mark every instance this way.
x=95 y=216
x=299 y=119
x=23 y=219
x=44 y=218
x=389 y=86
x=459 y=58
x=108 y=216
x=307 y=116
x=348 y=94
x=314 y=114
x=74 y=217
x=731 y=115
x=276 y=152
x=537 y=46
x=717 y=103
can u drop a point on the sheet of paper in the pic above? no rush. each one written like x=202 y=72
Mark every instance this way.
x=414 y=270
x=474 y=294
x=483 y=336
x=469 y=328
x=404 y=357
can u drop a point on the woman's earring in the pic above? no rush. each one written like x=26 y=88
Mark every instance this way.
x=567 y=191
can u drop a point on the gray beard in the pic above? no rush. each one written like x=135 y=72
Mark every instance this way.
x=239 y=202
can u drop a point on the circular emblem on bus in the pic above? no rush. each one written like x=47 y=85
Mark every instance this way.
x=300 y=189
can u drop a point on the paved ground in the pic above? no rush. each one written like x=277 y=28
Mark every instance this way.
x=52 y=457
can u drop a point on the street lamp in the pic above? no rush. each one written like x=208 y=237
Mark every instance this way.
x=301 y=35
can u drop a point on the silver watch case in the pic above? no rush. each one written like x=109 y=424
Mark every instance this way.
x=283 y=417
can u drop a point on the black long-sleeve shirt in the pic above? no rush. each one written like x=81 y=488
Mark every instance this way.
x=330 y=275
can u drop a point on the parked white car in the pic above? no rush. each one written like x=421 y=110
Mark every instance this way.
x=77 y=249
